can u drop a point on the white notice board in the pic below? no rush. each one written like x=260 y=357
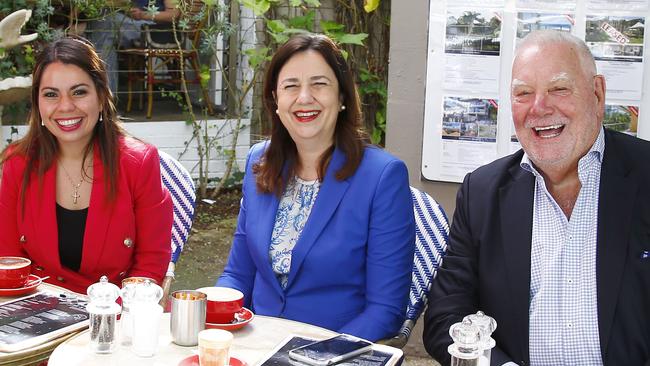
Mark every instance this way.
x=467 y=121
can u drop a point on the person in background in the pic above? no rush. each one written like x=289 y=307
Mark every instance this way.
x=79 y=197
x=552 y=241
x=326 y=232
x=117 y=30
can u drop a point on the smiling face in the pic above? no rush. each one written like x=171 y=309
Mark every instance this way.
x=68 y=104
x=557 y=104
x=308 y=100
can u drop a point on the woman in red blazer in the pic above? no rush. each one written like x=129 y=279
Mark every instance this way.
x=77 y=196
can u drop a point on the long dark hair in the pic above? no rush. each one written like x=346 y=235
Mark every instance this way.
x=349 y=135
x=39 y=146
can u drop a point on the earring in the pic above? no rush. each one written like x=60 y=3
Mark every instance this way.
x=42 y=123
x=277 y=111
x=342 y=107
x=101 y=118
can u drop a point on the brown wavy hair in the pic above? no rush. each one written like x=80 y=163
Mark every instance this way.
x=39 y=147
x=349 y=135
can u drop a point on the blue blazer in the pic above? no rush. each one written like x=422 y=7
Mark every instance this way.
x=351 y=268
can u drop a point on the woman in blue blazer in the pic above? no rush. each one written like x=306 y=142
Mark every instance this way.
x=325 y=233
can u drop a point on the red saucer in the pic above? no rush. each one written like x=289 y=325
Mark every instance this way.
x=22 y=290
x=244 y=317
x=194 y=361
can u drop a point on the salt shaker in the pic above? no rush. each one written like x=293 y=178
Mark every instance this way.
x=103 y=311
x=486 y=325
x=126 y=323
x=145 y=316
x=466 y=349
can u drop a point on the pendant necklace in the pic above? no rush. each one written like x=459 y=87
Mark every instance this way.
x=75 y=194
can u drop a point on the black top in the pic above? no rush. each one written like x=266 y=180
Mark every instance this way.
x=72 y=225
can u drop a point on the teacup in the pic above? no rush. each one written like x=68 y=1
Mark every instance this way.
x=14 y=271
x=222 y=305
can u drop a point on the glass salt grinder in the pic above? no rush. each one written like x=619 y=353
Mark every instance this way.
x=486 y=325
x=126 y=324
x=102 y=311
x=147 y=293
x=145 y=316
x=466 y=349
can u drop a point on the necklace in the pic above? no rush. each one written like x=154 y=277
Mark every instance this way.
x=75 y=195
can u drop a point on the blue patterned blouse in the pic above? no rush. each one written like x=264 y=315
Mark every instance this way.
x=294 y=209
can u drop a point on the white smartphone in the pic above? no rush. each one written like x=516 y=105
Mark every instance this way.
x=330 y=351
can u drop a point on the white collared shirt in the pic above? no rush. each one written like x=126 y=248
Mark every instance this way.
x=563 y=312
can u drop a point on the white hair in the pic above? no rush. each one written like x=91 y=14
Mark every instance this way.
x=553 y=37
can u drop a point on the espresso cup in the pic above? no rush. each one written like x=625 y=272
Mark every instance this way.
x=222 y=305
x=214 y=347
x=14 y=271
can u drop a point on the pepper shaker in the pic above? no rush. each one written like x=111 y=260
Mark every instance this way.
x=486 y=325
x=103 y=311
x=466 y=349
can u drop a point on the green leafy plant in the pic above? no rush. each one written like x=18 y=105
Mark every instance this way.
x=18 y=61
x=281 y=29
x=374 y=87
x=212 y=140
x=283 y=18
x=369 y=17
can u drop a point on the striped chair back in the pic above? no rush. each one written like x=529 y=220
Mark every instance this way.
x=180 y=185
x=431 y=237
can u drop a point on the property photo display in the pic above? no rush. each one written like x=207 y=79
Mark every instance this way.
x=471 y=46
x=472 y=49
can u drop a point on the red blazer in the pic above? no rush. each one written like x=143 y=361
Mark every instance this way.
x=130 y=236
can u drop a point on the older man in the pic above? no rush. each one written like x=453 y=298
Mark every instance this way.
x=553 y=241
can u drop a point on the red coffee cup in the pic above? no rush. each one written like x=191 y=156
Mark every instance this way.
x=222 y=305
x=14 y=271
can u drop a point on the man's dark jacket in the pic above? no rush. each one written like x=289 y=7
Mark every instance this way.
x=487 y=266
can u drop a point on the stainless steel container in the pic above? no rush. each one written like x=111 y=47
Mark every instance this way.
x=187 y=316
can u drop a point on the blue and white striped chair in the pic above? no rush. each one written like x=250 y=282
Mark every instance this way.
x=180 y=185
x=431 y=237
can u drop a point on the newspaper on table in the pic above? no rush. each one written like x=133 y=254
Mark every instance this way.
x=41 y=317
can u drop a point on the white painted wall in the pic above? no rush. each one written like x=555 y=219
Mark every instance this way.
x=175 y=138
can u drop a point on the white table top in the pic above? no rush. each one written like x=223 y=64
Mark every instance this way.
x=252 y=344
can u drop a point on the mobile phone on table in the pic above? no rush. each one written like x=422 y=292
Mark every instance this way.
x=330 y=351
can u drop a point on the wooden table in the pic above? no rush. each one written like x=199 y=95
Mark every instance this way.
x=39 y=353
x=252 y=344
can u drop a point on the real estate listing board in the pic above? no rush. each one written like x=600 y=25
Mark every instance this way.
x=467 y=119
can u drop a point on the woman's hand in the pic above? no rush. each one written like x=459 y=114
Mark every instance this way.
x=139 y=14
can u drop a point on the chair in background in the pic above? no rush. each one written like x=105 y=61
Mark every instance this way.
x=431 y=237
x=170 y=56
x=180 y=185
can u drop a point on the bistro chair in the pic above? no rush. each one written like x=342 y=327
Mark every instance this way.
x=431 y=237
x=169 y=56
x=180 y=185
